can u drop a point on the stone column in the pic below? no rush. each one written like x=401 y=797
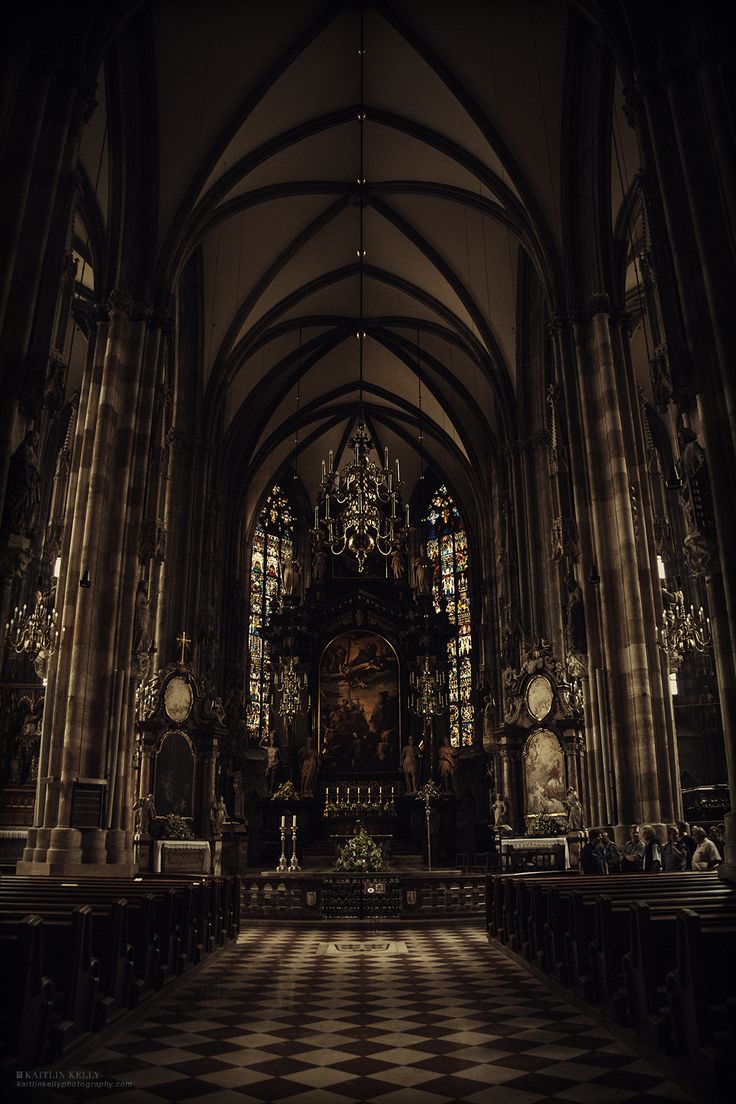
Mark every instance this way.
x=88 y=738
x=623 y=634
x=674 y=127
x=579 y=550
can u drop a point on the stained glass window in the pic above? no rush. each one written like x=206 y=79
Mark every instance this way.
x=273 y=544
x=447 y=548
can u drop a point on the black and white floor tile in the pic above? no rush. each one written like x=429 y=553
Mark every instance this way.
x=417 y=1017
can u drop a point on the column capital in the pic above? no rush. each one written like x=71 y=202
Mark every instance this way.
x=122 y=302
x=558 y=324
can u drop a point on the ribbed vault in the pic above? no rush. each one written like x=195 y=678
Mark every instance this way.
x=259 y=154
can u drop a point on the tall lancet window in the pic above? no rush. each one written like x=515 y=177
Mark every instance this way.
x=273 y=544
x=447 y=548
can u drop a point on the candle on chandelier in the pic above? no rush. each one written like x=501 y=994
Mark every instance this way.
x=398 y=471
x=331 y=460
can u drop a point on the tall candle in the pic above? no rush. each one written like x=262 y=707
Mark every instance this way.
x=283 y=821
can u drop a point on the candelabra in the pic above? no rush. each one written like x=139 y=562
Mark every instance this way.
x=427 y=699
x=682 y=631
x=289 y=686
x=359 y=509
x=35 y=633
x=427 y=694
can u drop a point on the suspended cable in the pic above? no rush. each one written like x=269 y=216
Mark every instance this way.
x=361 y=193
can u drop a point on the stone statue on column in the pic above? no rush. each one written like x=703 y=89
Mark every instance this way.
x=141 y=633
x=697 y=502
x=23 y=492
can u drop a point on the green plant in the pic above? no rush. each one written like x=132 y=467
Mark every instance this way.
x=542 y=825
x=360 y=854
x=175 y=827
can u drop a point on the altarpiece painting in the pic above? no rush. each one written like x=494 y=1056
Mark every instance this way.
x=359 y=703
x=544 y=773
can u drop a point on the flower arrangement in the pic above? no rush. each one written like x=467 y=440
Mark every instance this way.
x=359 y=808
x=430 y=791
x=542 y=824
x=360 y=854
x=287 y=791
x=175 y=827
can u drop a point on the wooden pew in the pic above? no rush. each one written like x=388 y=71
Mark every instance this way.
x=28 y=994
x=652 y=955
x=613 y=938
x=67 y=958
x=699 y=991
x=121 y=948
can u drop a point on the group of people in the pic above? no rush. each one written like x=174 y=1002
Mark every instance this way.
x=643 y=851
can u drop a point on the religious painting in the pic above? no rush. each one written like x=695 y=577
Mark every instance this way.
x=359 y=703
x=174 y=790
x=544 y=773
x=21 y=713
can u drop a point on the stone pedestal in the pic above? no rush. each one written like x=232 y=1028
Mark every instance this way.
x=234 y=856
x=181 y=857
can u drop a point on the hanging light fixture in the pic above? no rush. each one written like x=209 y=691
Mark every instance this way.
x=35 y=633
x=290 y=686
x=427 y=692
x=359 y=509
x=682 y=631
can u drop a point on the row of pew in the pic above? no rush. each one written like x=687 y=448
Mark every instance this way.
x=75 y=955
x=657 y=951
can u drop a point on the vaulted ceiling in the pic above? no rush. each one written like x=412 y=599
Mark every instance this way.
x=258 y=164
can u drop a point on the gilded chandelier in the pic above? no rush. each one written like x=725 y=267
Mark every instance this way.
x=682 y=631
x=359 y=508
x=290 y=686
x=427 y=694
x=35 y=633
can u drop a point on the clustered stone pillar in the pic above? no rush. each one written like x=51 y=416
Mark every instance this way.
x=87 y=737
x=638 y=745
x=681 y=111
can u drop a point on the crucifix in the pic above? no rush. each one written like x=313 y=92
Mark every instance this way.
x=183 y=641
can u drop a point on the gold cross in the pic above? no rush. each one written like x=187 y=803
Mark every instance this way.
x=183 y=641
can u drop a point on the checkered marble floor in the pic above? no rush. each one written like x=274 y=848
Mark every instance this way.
x=322 y=1017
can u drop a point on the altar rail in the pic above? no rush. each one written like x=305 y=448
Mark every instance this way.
x=391 y=896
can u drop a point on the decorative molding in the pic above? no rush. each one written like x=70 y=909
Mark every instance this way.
x=121 y=302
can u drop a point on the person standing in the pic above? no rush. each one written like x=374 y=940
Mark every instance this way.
x=705 y=856
x=633 y=853
x=591 y=855
x=611 y=853
x=687 y=842
x=674 y=855
x=651 y=862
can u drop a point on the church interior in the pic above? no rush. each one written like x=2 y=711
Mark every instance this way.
x=367 y=549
